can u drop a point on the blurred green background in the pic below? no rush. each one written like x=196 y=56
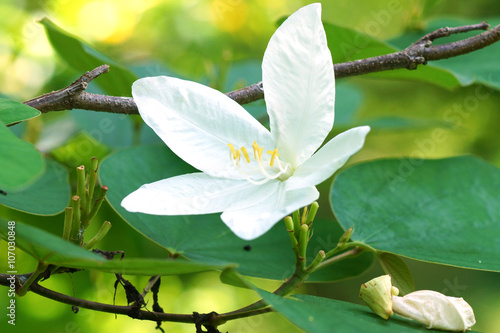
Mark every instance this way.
x=221 y=43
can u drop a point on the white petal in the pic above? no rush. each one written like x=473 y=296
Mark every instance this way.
x=195 y=193
x=197 y=122
x=435 y=310
x=254 y=221
x=329 y=158
x=299 y=85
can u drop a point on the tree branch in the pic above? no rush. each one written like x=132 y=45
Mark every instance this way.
x=420 y=52
x=130 y=311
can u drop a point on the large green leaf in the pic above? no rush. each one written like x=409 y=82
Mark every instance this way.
x=480 y=66
x=316 y=314
x=145 y=266
x=20 y=162
x=12 y=112
x=48 y=195
x=205 y=238
x=347 y=45
x=51 y=249
x=82 y=58
x=45 y=246
x=444 y=211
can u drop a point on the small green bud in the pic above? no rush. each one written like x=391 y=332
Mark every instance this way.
x=377 y=294
x=345 y=237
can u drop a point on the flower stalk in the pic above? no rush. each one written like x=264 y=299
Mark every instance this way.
x=76 y=225
x=68 y=221
x=94 y=165
x=98 y=236
x=81 y=189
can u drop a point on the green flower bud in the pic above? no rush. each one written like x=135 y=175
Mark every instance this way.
x=377 y=294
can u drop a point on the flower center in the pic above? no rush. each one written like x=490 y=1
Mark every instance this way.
x=253 y=172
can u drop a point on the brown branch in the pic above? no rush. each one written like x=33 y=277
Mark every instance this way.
x=420 y=52
x=130 y=311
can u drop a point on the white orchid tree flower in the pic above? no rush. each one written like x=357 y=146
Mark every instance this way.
x=435 y=310
x=253 y=175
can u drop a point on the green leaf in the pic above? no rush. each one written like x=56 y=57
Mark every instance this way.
x=114 y=130
x=231 y=277
x=443 y=211
x=83 y=58
x=400 y=273
x=51 y=249
x=348 y=45
x=317 y=314
x=145 y=266
x=46 y=247
x=348 y=99
x=20 y=162
x=12 y=112
x=204 y=238
x=480 y=66
x=48 y=195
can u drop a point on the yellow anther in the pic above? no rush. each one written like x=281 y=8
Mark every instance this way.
x=230 y=145
x=274 y=154
x=245 y=153
x=255 y=147
x=260 y=153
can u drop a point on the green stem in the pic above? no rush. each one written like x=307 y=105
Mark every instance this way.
x=337 y=258
x=99 y=236
x=81 y=191
x=68 y=221
x=296 y=223
x=319 y=258
x=33 y=277
x=94 y=164
x=312 y=213
x=348 y=245
x=295 y=244
x=98 y=202
x=303 y=220
x=75 y=227
x=303 y=239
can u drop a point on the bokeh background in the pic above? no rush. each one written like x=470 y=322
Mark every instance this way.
x=221 y=43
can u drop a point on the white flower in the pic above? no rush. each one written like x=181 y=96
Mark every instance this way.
x=435 y=310
x=254 y=176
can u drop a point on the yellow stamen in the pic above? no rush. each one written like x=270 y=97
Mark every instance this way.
x=245 y=153
x=255 y=147
x=260 y=153
x=230 y=145
x=274 y=154
x=268 y=174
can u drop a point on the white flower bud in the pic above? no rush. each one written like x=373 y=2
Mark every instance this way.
x=435 y=310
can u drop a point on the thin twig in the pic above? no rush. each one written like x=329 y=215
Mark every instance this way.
x=65 y=99
x=420 y=52
x=446 y=32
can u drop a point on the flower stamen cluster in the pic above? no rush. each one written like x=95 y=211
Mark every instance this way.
x=284 y=169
